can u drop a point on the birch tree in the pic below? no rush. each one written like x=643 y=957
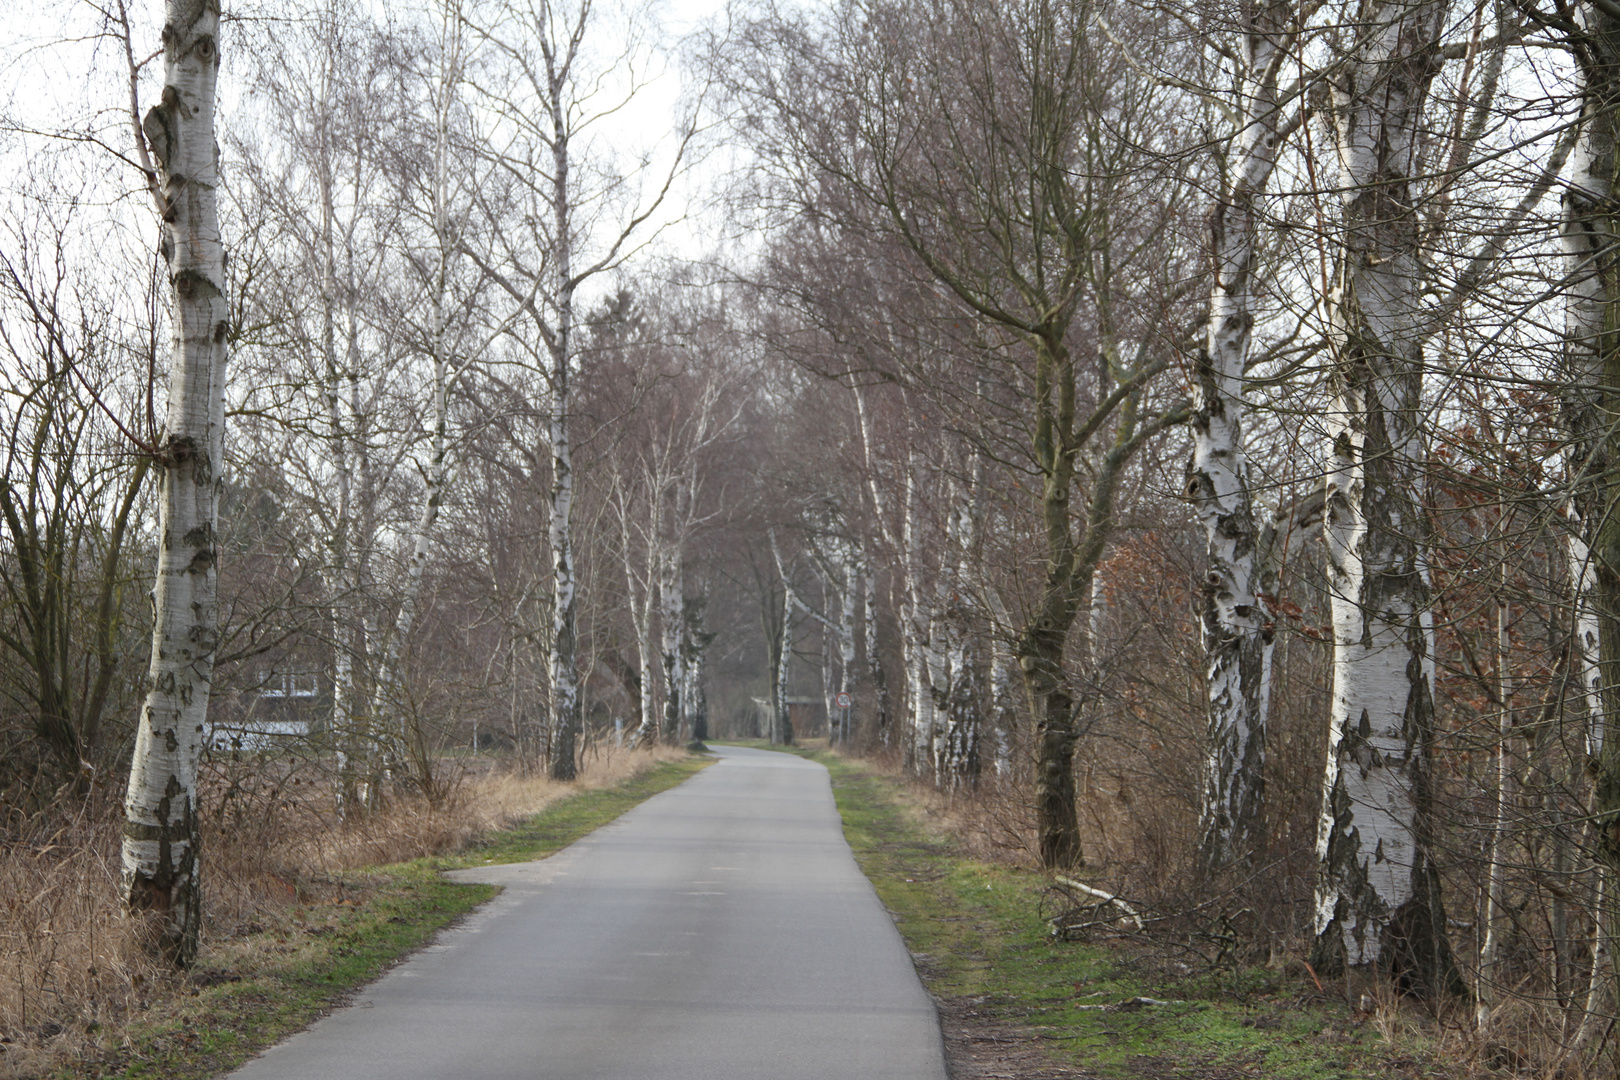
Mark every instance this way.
x=1591 y=290
x=1378 y=890
x=1237 y=637
x=325 y=177
x=161 y=872
x=552 y=92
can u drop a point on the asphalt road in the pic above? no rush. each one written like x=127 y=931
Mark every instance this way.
x=719 y=931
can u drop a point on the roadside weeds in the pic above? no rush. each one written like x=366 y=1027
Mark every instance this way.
x=1015 y=1003
x=308 y=947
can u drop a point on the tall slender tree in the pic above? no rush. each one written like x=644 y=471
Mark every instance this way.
x=1378 y=890
x=162 y=875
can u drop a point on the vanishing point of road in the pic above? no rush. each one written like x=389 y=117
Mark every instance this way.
x=718 y=931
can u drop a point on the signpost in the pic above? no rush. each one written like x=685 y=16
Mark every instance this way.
x=843 y=701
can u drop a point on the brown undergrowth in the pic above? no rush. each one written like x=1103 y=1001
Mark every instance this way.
x=72 y=980
x=1227 y=944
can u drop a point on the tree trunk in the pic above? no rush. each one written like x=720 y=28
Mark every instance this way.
x=160 y=848
x=670 y=589
x=565 y=703
x=782 y=713
x=694 y=646
x=850 y=565
x=1004 y=715
x=641 y=599
x=1496 y=916
x=874 y=659
x=917 y=638
x=1237 y=640
x=1043 y=639
x=964 y=698
x=1592 y=400
x=1378 y=890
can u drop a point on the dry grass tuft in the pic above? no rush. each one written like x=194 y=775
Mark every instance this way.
x=71 y=973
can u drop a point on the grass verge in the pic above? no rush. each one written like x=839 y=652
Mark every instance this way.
x=980 y=942
x=335 y=940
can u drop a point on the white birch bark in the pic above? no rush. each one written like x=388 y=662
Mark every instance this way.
x=564 y=677
x=1589 y=293
x=345 y=738
x=565 y=703
x=782 y=714
x=874 y=658
x=1377 y=898
x=671 y=590
x=1494 y=918
x=1005 y=714
x=921 y=657
x=694 y=646
x=959 y=763
x=914 y=627
x=1237 y=641
x=547 y=105
x=385 y=710
x=642 y=596
x=829 y=681
x=850 y=565
x=160 y=845
x=1583 y=584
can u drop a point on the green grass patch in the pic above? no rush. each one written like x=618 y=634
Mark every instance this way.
x=978 y=935
x=563 y=823
x=327 y=950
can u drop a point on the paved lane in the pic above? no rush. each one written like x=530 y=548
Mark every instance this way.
x=719 y=931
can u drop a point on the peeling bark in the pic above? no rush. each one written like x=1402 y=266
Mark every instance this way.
x=1591 y=401
x=1235 y=625
x=1378 y=902
x=160 y=847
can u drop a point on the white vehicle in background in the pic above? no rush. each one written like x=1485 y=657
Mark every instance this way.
x=276 y=715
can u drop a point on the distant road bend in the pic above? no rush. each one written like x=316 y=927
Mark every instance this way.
x=719 y=931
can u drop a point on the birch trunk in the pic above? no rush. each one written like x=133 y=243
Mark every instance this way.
x=386 y=710
x=829 y=684
x=1378 y=900
x=1592 y=400
x=874 y=659
x=641 y=601
x=965 y=694
x=1237 y=640
x=1004 y=716
x=565 y=704
x=160 y=845
x=670 y=589
x=850 y=565
x=1495 y=919
x=345 y=737
x=917 y=641
x=695 y=645
x=782 y=714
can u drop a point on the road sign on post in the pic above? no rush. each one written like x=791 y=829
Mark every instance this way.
x=841 y=701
